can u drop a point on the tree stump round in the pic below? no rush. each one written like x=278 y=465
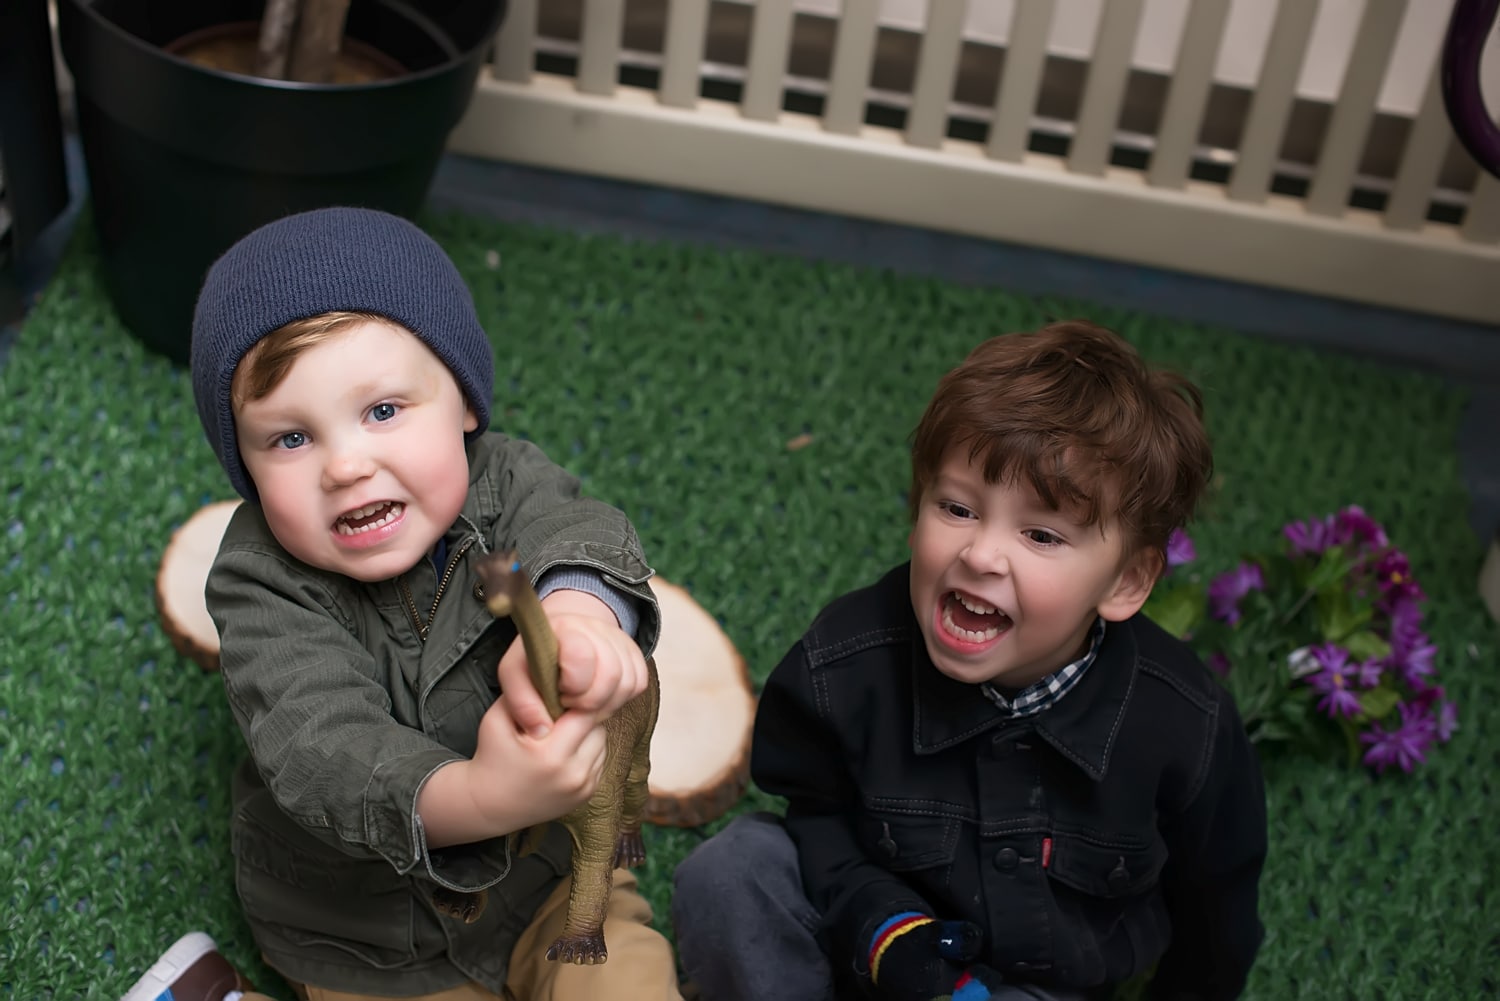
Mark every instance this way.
x=700 y=750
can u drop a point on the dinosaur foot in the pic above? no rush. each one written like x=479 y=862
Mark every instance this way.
x=585 y=950
x=630 y=850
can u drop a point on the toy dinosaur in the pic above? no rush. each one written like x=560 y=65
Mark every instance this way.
x=606 y=830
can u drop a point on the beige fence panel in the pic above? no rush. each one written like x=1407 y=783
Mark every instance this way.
x=1020 y=80
x=1272 y=104
x=682 y=51
x=766 y=72
x=1482 y=222
x=933 y=90
x=934 y=174
x=516 y=43
x=1182 y=119
x=599 y=47
x=1108 y=70
x=1421 y=162
x=1352 y=113
x=848 y=83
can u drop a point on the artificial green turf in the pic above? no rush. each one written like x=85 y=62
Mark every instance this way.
x=671 y=378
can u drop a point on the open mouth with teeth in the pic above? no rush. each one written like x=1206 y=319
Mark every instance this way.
x=970 y=620
x=369 y=518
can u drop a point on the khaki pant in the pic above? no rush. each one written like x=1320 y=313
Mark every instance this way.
x=641 y=966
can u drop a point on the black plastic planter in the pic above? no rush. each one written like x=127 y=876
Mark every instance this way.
x=182 y=160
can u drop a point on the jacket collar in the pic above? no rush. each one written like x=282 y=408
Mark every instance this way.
x=1082 y=727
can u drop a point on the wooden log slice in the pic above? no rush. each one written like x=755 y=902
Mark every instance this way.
x=700 y=750
x=181 y=578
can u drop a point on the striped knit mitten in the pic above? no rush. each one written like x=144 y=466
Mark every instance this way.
x=914 y=957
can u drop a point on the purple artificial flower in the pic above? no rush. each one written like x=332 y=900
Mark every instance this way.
x=1368 y=672
x=1404 y=746
x=1405 y=623
x=1411 y=655
x=1219 y=664
x=1445 y=718
x=1397 y=585
x=1226 y=590
x=1180 y=549
x=1334 y=681
x=1310 y=537
x=1353 y=525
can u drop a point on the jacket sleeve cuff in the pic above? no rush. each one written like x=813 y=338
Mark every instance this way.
x=568 y=578
x=466 y=868
x=394 y=828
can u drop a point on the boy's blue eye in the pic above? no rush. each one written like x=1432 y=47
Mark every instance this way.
x=383 y=411
x=292 y=439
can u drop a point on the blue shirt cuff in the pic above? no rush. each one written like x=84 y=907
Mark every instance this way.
x=592 y=582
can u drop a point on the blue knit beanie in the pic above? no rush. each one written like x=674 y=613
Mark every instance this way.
x=359 y=260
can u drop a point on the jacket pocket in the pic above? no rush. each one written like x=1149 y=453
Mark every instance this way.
x=1105 y=869
x=921 y=847
x=314 y=897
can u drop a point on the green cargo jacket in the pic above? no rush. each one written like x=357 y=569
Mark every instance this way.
x=347 y=711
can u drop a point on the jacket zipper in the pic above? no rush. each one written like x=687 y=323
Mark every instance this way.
x=411 y=604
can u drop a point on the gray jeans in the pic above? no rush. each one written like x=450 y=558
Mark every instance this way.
x=747 y=932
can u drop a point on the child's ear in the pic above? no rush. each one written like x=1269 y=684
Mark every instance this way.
x=471 y=419
x=1132 y=587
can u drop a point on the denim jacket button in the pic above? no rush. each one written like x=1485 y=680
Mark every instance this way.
x=887 y=847
x=1119 y=876
x=1006 y=859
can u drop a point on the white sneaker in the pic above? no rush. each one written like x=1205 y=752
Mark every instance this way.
x=192 y=969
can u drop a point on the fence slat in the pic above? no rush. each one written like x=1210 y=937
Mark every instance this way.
x=765 y=73
x=844 y=111
x=1182 y=119
x=599 y=48
x=1025 y=57
x=682 y=51
x=1109 y=69
x=1355 y=109
x=1427 y=144
x=513 y=49
x=1260 y=146
x=1482 y=220
x=942 y=37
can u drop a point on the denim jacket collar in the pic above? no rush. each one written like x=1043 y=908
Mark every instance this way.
x=1082 y=726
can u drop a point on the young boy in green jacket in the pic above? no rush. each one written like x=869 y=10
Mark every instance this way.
x=344 y=381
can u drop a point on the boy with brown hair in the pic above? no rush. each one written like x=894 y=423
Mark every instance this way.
x=1002 y=780
x=344 y=381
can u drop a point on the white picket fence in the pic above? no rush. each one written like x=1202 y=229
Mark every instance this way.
x=986 y=171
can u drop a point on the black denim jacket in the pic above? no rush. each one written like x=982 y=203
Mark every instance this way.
x=1124 y=825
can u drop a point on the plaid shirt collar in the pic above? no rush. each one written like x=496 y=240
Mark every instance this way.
x=1048 y=691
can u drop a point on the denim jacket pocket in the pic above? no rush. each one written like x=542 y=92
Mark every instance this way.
x=909 y=843
x=1105 y=869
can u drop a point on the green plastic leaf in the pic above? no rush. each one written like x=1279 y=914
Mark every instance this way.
x=1366 y=645
x=1377 y=703
x=1339 y=615
x=1332 y=569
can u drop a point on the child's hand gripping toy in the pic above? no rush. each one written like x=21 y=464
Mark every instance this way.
x=607 y=829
